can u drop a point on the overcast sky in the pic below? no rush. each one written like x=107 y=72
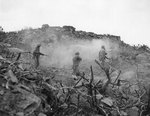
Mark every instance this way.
x=129 y=19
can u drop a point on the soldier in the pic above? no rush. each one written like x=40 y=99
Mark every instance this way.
x=102 y=55
x=76 y=61
x=36 y=55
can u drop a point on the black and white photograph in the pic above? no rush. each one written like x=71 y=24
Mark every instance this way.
x=74 y=57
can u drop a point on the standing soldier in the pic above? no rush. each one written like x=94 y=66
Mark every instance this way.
x=102 y=55
x=36 y=55
x=76 y=61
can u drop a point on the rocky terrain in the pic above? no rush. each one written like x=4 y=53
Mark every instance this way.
x=120 y=88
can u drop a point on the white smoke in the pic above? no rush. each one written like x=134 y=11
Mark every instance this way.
x=60 y=54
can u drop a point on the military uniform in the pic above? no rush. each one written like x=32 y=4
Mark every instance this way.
x=76 y=61
x=102 y=55
x=36 y=55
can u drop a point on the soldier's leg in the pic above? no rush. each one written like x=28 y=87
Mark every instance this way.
x=36 y=62
x=73 y=68
x=74 y=72
x=77 y=72
x=102 y=62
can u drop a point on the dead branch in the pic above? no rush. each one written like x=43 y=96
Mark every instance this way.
x=116 y=78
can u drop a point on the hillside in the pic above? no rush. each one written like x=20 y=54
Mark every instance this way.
x=127 y=64
x=57 y=40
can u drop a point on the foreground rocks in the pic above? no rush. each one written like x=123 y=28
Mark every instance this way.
x=19 y=101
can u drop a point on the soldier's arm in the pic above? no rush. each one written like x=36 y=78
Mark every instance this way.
x=99 y=54
x=80 y=59
x=42 y=54
x=38 y=53
x=74 y=59
x=106 y=57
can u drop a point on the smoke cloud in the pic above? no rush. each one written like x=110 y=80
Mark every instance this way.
x=61 y=53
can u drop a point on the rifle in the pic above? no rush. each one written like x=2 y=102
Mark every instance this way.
x=19 y=54
x=38 y=53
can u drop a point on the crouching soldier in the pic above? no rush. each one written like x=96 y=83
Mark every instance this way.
x=36 y=55
x=76 y=61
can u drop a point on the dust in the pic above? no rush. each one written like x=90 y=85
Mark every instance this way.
x=60 y=49
x=60 y=54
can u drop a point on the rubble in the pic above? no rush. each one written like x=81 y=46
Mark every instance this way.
x=32 y=92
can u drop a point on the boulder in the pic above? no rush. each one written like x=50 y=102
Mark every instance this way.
x=19 y=101
x=29 y=103
x=41 y=114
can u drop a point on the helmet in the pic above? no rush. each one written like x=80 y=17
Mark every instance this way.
x=39 y=45
x=77 y=53
x=102 y=47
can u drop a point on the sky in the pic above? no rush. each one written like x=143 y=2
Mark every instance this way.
x=129 y=19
